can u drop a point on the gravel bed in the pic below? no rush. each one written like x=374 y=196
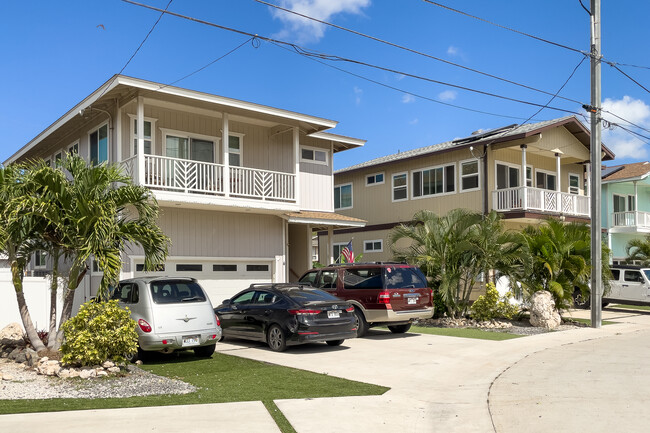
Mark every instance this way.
x=18 y=382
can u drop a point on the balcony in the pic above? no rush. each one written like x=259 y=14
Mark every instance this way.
x=540 y=200
x=209 y=179
x=635 y=220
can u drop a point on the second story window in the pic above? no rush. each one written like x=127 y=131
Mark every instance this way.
x=40 y=257
x=74 y=148
x=574 y=183
x=234 y=150
x=375 y=179
x=313 y=155
x=148 y=136
x=400 y=187
x=98 y=143
x=469 y=176
x=186 y=147
x=545 y=180
x=433 y=181
x=343 y=196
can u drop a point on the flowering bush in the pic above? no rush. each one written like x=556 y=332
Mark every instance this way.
x=491 y=306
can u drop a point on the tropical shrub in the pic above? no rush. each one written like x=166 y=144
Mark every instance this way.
x=99 y=331
x=491 y=306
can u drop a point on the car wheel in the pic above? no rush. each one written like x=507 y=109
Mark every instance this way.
x=360 y=322
x=276 y=339
x=580 y=301
x=139 y=355
x=399 y=329
x=205 y=351
x=335 y=342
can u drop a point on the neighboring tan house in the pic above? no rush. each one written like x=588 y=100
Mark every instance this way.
x=241 y=186
x=525 y=173
x=625 y=205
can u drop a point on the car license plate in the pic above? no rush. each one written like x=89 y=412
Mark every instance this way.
x=192 y=340
x=334 y=314
x=412 y=301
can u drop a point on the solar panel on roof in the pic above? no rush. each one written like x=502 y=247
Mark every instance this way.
x=606 y=171
x=483 y=134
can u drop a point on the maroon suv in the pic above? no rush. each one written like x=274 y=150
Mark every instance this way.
x=390 y=294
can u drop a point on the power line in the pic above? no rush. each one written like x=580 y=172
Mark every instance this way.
x=392 y=44
x=323 y=56
x=585 y=53
x=613 y=65
x=398 y=89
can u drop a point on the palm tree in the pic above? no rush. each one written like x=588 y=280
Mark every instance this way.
x=89 y=211
x=561 y=260
x=639 y=250
x=442 y=248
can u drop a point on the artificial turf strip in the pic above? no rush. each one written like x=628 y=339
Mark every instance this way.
x=283 y=423
x=588 y=321
x=465 y=333
x=220 y=379
x=630 y=307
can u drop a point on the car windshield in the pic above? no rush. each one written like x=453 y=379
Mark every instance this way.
x=173 y=292
x=309 y=295
x=404 y=278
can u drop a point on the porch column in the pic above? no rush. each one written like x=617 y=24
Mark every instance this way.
x=524 y=183
x=140 y=159
x=330 y=245
x=558 y=183
x=225 y=140
x=309 y=247
x=296 y=157
x=636 y=206
x=118 y=133
x=588 y=182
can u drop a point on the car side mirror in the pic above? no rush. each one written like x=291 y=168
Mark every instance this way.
x=226 y=302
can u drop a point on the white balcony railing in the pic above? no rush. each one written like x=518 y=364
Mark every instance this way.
x=631 y=219
x=196 y=177
x=528 y=198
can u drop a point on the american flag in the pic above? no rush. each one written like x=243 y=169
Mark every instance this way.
x=347 y=253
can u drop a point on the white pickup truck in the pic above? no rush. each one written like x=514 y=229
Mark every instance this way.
x=629 y=285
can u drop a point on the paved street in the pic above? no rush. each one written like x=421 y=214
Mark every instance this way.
x=566 y=381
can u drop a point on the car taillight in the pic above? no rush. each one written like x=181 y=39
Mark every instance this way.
x=383 y=298
x=212 y=337
x=300 y=312
x=168 y=341
x=218 y=321
x=350 y=309
x=144 y=325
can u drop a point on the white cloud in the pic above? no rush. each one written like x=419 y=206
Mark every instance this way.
x=452 y=51
x=357 y=95
x=414 y=121
x=408 y=98
x=447 y=95
x=303 y=30
x=622 y=143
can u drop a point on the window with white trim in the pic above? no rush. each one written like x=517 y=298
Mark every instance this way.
x=469 y=175
x=434 y=181
x=313 y=155
x=149 y=128
x=375 y=179
x=74 y=148
x=574 y=183
x=40 y=257
x=98 y=143
x=235 y=144
x=400 y=186
x=343 y=196
x=337 y=248
x=545 y=180
x=373 y=246
x=189 y=146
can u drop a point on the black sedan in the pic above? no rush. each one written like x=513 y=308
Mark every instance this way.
x=285 y=314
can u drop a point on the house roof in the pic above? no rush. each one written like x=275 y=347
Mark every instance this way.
x=499 y=135
x=121 y=87
x=638 y=170
x=321 y=220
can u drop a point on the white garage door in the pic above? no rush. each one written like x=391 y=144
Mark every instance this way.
x=220 y=279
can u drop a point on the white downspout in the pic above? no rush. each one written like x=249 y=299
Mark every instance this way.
x=296 y=158
x=524 y=178
x=140 y=158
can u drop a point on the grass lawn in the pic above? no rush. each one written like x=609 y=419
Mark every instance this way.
x=631 y=307
x=465 y=333
x=222 y=378
x=586 y=321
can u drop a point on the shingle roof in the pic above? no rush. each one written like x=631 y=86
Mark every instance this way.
x=627 y=171
x=500 y=134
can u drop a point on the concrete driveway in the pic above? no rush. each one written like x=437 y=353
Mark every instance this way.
x=447 y=384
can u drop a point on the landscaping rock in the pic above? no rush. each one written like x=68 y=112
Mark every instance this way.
x=543 y=312
x=12 y=335
x=108 y=364
x=48 y=368
x=31 y=357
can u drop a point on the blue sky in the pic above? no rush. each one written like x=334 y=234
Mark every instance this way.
x=56 y=53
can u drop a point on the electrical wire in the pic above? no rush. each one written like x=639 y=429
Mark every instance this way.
x=588 y=54
x=401 y=47
x=324 y=56
x=613 y=65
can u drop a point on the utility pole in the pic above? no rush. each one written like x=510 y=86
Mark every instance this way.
x=596 y=162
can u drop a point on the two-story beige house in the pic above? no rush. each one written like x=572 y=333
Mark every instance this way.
x=526 y=173
x=241 y=186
